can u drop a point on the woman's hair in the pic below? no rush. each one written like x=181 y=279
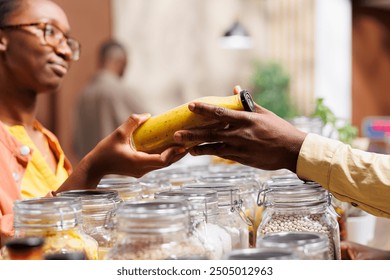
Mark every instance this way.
x=7 y=7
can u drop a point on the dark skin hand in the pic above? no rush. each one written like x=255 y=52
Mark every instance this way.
x=355 y=251
x=115 y=155
x=259 y=139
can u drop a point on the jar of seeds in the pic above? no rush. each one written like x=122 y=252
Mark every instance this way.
x=155 y=230
x=294 y=206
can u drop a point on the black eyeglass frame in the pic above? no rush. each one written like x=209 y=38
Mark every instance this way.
x=72 y=43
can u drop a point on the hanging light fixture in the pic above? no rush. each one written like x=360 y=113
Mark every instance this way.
x=236 y=37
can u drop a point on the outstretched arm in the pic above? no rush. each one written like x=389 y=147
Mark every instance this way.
x=259 y=139
x=115 y=155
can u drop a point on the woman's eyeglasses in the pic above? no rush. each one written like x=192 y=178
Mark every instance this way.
x=52 y=36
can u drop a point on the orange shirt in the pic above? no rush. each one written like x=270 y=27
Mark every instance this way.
x=14 y=161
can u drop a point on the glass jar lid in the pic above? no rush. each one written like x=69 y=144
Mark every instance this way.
x=228 y=193
x=95 y=203
x=153 y=216
x=307 y=242
x=288 y=194
x=261 y=254
x=55 y=213
x=127 y=188
x=200 y=200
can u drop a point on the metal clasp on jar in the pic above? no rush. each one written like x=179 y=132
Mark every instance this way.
x=110 y=216
x=261 y=197
x=237 y=207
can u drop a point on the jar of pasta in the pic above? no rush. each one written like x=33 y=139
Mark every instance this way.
x=155 y=230
x=203 y=210
x=293 y=206
x=58 y=221
x=98 y=215
x=231 y=214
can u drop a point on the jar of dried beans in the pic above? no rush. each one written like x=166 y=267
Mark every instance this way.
x=294 y=206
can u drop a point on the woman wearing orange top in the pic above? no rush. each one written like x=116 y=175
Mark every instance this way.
x=36 y=52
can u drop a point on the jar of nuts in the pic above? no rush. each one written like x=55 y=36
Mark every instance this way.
x=294 y=206
x=154 y=230
x=58 y=221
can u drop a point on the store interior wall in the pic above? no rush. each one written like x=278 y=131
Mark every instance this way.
x=370 y=61
x=175 y=57
x=90 y=22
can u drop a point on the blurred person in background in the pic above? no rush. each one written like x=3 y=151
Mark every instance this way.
x=105 y=101
x=36 y=52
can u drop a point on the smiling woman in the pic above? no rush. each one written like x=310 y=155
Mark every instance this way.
x=36 y=52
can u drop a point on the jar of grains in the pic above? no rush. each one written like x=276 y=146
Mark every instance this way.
x=58 y=221
x=98 y=213
x=294 y=206
x=231 y=214
x=154 y=230
x=128 y=189
x=249 y=187
x=203 y=205
x=307 y=245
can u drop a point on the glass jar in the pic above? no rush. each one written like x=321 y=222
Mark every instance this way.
x=308 y=124
x=203 y=205
x=154 y=230
x=248 y=187
x=155 y=181
x=293 y=206
x=231 y=214
x=56 y=219
x=24 y=248
x=128 y=189
x=98 y=215
x=307 y=245
x=261 y=254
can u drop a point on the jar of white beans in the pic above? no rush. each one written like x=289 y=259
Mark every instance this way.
x=295 y=206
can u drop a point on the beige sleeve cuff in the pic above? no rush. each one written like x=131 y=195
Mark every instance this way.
x=315 y=158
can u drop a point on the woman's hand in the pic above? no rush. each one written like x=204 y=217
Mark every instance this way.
x=258 y=139
x=115 y=155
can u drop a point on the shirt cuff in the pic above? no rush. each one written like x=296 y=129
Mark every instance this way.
x=315 y=158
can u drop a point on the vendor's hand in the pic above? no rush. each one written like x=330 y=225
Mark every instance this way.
x=115 y=155
x=259 y=139
x=355 y=251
